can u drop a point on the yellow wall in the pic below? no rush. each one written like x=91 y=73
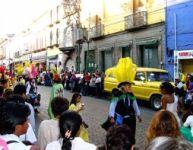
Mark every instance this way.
x=89 y=9
x=156 y=12
x=114 y=13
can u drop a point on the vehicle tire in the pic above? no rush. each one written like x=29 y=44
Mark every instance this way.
x=156 y=102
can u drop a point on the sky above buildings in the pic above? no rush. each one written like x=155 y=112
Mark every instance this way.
x=18 y=14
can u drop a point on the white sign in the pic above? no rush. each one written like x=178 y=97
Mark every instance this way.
x=185 y=54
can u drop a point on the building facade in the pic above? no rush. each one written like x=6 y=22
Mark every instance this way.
x=179 y=37
x=124 y=28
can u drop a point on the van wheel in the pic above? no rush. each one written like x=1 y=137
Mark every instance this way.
x=156 y=102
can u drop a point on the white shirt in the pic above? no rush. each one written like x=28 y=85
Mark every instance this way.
x=14 y=146
x=29 y=136
x=31 y=117
x=189 y=122
x=172 y=107
x=77 y=144
x=48 y=132
x=98 y=80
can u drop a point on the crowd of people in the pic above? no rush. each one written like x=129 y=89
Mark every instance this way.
x=86 y=83
x=170 y=128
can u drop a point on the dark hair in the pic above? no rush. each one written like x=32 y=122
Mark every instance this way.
x=69 y=121
x=15 y=98
x=19 y=89
x=4 y=81
x=59 y=105
x=116 y=92
x=168 y=143
x=1 y=90
x=74 y=97
x=191 y=78
x=12 y=114
x=7 y=93
x=119 y=138
x=168 y=87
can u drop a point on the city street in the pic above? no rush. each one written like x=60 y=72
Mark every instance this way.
x=95 y=113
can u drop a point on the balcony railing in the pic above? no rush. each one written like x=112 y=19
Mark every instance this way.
x=96 y=31
x=136 y=20
x=17 y=54
x=81 y=34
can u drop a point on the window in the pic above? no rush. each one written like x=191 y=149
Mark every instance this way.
x=125 y=51
x=51 y=17
x=107 y=60
x=158 y=76
x=140 y=76
x=111 y=75
x=51 y=38
x=149 y=56
x=57 y=35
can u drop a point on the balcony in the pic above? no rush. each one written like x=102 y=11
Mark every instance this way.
x=17 y=54
x=96 y=32
x=81 y=35
x=136 y=20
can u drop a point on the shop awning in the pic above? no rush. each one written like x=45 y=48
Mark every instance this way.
x=147 y=42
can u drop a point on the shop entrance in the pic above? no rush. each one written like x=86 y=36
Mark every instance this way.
x=186 y=65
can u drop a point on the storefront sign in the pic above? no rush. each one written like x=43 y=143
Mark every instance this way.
x=185 y=54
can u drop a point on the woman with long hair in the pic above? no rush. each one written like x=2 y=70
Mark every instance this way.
x=70 y=124
x=163 y=123
x=169 y=99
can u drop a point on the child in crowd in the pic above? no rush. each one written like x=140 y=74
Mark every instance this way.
x=14 y=123
x=49 y=129
x=120 y=137
x=70 y=124
x=77 y=106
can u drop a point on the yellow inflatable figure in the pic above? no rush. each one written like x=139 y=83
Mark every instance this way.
x=19 y=69
x=125 y=70
x=27 y=64
x=53 y=69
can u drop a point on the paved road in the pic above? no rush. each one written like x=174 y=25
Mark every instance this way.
x=95 y=113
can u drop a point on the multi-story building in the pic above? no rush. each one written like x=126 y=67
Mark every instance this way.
x=179 y=37
x=115 y=29
x=3 y=45
x=123 y=28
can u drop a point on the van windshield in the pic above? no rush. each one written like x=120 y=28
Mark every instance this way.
x=158 y=76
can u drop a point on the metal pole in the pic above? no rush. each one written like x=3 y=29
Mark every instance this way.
x=88 y=56
x=78 y=58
